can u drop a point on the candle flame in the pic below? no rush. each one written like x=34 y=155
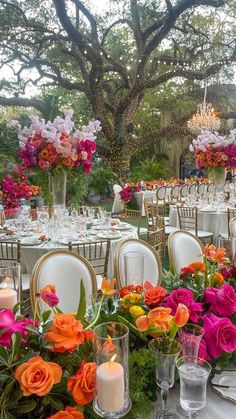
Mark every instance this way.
x=112 y=359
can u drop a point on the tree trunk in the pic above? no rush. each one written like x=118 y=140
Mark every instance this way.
x=120 y=162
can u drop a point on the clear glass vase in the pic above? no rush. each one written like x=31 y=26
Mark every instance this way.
x=58 y=188
x=111 y=345
x=217 y=175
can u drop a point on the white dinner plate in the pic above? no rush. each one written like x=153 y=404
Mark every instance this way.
x=225 y=385
x=109 y=235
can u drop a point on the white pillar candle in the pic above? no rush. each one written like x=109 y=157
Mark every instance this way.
x=8 y=298
x=110 y=383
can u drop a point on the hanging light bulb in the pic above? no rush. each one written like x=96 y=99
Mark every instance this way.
x=204 y=119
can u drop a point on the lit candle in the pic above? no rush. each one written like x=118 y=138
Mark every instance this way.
x=110 y=383
x=8 y=296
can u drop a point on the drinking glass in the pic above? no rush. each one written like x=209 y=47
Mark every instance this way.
x=193 y=374
x=190 y=337
x=166 y=352
x=229 y=243
x=134 y=268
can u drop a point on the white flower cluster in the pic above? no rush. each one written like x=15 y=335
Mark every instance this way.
x=52 y=131
x=207 y=138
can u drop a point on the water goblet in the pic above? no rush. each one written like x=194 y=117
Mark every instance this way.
x=166 y=352
x=193 y=374
x=190 y=337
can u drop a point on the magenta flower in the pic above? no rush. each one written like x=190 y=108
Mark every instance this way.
x=7 y=320
x=220 y=335
x=222 y=300
x=48 y=295
x=202 y=353
x=186 y=297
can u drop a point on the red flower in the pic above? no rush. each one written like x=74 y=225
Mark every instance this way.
x=153 y=295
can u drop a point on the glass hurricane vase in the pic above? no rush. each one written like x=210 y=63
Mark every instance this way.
x=217 y=175
x=58 y=182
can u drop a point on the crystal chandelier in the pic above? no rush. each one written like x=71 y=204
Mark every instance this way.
x=204 y=119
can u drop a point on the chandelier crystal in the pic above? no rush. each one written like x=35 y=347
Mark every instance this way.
x=204 y=119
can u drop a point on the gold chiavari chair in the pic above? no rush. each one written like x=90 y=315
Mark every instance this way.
x=133 y=217
x=157 y=239
x=96 y=252
x=188 y=221
x=231 y=213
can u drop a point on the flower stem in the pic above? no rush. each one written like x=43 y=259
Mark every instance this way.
x=91 y=325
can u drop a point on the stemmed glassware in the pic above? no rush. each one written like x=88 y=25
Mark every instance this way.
x=193 y=374
x=166 y=352
x=190 y=337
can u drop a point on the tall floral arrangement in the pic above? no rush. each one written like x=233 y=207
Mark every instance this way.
x=212 y=150
x=127 y=194
x=15 y=186
x=57 y=144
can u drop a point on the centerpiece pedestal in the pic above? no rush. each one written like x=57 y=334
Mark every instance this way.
x=217 y=175
x=58 y=188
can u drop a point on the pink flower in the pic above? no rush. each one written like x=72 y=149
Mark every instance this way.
x=48 y=295
x=220 y=335
x=222 y=300
x=186 y=297
x=202 y=353
x=7 y=319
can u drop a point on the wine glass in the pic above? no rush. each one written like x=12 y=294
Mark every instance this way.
x=166 y=352
x=190 y=337
x=193 y=374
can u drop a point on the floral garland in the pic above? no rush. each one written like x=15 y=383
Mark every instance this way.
x=56 y=145
x=47 y=368
x=15 y=186
x=213 y=150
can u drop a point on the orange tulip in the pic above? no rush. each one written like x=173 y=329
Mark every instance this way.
x=181 y=315
x=160 y=318
x=198 y=266
x=142 y=323
x=215 y=255
x=108 y=286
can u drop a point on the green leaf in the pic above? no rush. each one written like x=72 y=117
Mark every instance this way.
x=46 y=315
x=46 y=326
x=25 y=358
x=17 y=395
x=82 y=303
x=56 y=403
x=4 y=377
x=33 y=329
x=25 y=406
x=16 y=306
x=15 y=344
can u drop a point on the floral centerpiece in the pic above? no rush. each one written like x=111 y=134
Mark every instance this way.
x=127 y=195
x=57 y=146
x=15 y=186
x=47 y=367
x=215 y=153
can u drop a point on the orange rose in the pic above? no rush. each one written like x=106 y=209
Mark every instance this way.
x=160 y=317
x=37 y=376
x=82 y=385
x=181 y=315
x=66 y=333
x=198 y=266
x=69 y=413
x=153 y=295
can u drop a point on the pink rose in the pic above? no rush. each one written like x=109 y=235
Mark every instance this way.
x=222 y=300
x=220 y=335
x=202 y=353
x=186 y=297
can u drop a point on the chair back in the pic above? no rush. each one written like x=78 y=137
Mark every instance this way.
x=133 y=217
x=118 y=204
x=183 y=248
x=155 y=214
x=161 y=193
x=174 y=193
x=152 y=262
x=232 y=227
x=211 y=187
x=156 y=239
x=231 y=213
x=188 y=218
x=192 y=188
x=184 y=190
x=10 y=250
x=97 y=253
x=65 y=270
x=201 y=188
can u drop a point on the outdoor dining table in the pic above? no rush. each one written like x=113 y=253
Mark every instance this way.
x=140 y=197
x=215 y=221
x=32 y=249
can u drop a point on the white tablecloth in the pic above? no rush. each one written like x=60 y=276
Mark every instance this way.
x=216 y=407
x=214 y=221
x=145 y=194
x=30 y=254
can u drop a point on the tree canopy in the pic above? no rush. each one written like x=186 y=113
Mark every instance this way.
x=113 y=58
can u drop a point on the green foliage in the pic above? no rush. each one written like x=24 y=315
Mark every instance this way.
x=149 y=169
x=101 y=180
x=9 y=145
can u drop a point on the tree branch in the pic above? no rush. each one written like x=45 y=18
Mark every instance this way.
x=90 y=18
x=23 y=102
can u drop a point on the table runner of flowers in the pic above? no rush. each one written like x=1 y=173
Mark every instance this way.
x=47 y=369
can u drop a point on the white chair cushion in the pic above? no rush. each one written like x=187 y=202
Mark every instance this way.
x=151 y=269
x=118 y=204
x=184 y=249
